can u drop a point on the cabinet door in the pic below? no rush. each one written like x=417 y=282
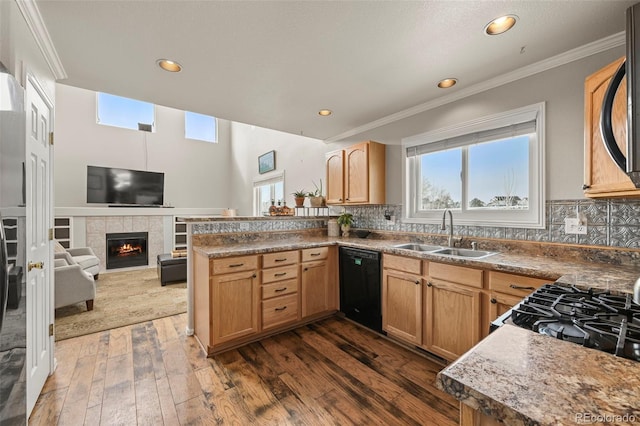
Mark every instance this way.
x=500 y=303
x=314 y=282
x=235 y=306
x=335 y=177
x=452 y=323
x=357 y=173
x=402 y=305
x=602 y=176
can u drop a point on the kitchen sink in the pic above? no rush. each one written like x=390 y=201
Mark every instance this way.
x=418 y=247
x=457 y=252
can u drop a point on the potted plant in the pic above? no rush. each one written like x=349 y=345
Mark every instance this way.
x=299 y=197
x=345 y=220
x=316 y=198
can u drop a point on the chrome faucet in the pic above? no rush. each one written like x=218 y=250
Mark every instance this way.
x=444 y=226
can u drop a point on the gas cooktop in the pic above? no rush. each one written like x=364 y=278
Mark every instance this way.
x=593 y=318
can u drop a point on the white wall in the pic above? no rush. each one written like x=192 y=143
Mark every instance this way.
x=196 y=173
x=301 y=158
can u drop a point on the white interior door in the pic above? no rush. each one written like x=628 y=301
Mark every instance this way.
x=39 y=262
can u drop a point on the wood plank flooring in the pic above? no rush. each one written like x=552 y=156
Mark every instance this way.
x=329 y=373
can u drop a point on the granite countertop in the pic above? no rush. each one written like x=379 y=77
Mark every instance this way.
x=616 y=278
x=526 y=378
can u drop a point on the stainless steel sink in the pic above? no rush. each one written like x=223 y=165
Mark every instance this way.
x=418 y=247
x=458 y=252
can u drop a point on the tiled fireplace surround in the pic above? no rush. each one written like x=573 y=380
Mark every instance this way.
x=98 y=226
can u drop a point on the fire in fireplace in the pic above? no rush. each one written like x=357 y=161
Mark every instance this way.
x=127 y=249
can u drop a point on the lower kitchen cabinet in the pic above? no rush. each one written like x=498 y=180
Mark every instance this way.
x=506 y=290
x=226 y=299
x=402 y=298
x=234 y=306
x=244 y=298
x=452 y=318
x=318 y=281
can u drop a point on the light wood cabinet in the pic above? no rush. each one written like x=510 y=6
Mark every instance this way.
x=402 y=298
x=318 y=284
x=356 y=175
x=280 y=283
x=452 y=309
x=603 y=178
x=234 y=306
x=506 y=290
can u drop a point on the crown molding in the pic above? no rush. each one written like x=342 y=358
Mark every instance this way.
x=572 y=55
x=38 y=29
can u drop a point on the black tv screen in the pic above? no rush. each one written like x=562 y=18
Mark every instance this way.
x=108 y=185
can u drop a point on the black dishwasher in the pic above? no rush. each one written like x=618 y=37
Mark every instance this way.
x=360 y=293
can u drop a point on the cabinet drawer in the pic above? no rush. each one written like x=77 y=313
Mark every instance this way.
x=516 y=285
x=405 y=264
x=315 y=254
x=279 y=274
x=279 y=288
x=456 y=274
x=279 y=310
x=234 y=264
x=282 y=258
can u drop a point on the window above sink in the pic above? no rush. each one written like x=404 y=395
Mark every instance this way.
x=488 y=171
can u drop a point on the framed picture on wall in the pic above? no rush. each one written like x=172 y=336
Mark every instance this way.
x=267 y=162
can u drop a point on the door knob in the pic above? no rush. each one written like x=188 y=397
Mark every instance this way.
x=36 y=265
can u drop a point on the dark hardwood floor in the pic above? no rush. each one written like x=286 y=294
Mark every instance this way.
x=329 y=373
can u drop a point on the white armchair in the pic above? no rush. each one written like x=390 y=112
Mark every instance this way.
x=83 y=256
x=73 y=285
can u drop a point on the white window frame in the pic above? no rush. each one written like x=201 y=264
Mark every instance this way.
x=215 y=124
x=137 y=128
x=270 y=179
x=534 y=217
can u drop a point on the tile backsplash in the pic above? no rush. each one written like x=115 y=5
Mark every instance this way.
x=611 y=223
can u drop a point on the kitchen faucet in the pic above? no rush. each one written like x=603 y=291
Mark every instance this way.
x=444 y=226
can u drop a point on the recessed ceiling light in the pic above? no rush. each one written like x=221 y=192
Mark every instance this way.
x=500 y=25
x=168 y=65
x=447 y=82
x=325 y=112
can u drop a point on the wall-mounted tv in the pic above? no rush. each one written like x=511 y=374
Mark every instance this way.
x=108 y=185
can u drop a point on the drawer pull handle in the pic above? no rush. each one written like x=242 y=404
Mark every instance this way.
x=281 y=309
x=280 y=260
x=235 y=265
x=494 y=301
x=255 y=276
x=305 y=269
x=417 y=281
x=278 y=290
x=314 y=254
x=519 y=287
x=280 y=274
x=429 y=284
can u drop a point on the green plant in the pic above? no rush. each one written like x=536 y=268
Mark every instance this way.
x=318 y=191
x=345 y=219
x=300 y=193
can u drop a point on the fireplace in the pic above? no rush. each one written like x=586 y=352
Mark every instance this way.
x=127 y=249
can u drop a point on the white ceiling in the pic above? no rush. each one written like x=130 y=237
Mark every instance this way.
x=276 y=63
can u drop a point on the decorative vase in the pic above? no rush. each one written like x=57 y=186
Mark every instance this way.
x=316 y=201
x=345 y=230
x=299 y=201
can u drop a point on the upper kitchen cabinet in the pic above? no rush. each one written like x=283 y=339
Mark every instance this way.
x=356 y=175
x=602 y=176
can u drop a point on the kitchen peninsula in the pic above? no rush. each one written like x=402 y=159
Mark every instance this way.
x=493 y=386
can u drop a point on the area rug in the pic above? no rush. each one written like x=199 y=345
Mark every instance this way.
x=122 y=298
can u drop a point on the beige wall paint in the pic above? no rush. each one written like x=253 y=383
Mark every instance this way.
x=196 y=173
x=561 y=88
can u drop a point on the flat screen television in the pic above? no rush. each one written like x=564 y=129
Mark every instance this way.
x=108 y=185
